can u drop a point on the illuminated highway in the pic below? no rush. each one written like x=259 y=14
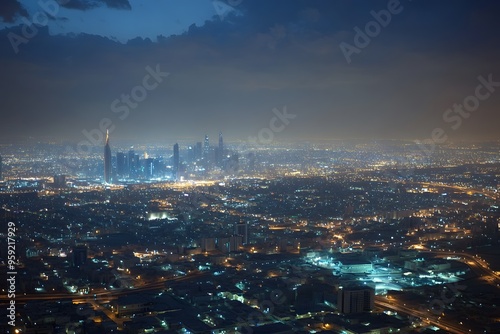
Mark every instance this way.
x=108 y=295
x=397 y=306
x=490 y=194
x=479 y=266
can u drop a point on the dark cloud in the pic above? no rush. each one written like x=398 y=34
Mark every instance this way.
x=79 y=4
x=229 y=74
x=118 y=4
x=91 y=4
x=10 y=9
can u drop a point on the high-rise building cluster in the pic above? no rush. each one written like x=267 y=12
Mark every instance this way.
x=198 y=157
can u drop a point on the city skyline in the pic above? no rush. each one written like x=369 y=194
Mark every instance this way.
x=347 y=232
x=250 y=166
x=352 y=233
x=127 y=167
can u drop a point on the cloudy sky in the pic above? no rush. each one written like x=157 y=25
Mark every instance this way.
x=230 y=62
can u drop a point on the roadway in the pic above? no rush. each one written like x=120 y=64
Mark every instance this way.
x=479 y=266
x=438 y=321
x=483 y=192
x=106 y=295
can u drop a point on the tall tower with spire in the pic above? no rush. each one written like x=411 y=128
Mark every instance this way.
x=107 y=160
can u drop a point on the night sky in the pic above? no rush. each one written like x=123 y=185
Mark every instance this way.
x=231 y=62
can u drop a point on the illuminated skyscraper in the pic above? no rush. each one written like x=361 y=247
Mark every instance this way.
x=121 y=164
x=1 y=175
x=149 y=168
x=206 y=147
x=131 y=164
x=198 y=151
x=107 y=160
x=220 y=151
x=221 y=144
x=176 y=160
x=191 y=154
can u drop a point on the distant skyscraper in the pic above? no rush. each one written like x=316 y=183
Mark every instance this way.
x=107 y=160
x=131 y=162
x=220 y=151
x=1 y=170
x=191 y=154
x=176 y=160
x=221 y=143
x=233 y=163
x=206 y=148
x=121 y=164
x=149 y=167
x=136 y=167
x=198 y=150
